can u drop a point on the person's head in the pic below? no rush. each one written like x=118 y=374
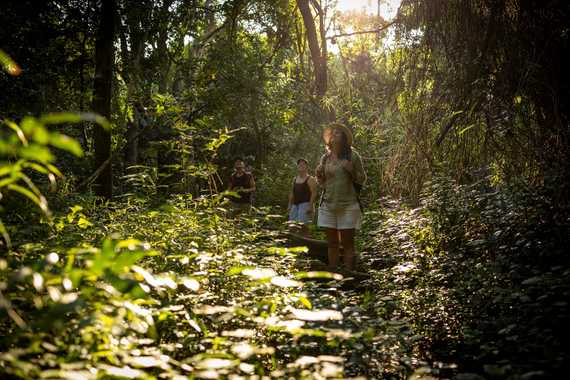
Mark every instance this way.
x=239 y=165
x=338 y=137
x=302 y=166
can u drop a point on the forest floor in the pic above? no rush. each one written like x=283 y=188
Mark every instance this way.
x=372 y=301
x=178 y=288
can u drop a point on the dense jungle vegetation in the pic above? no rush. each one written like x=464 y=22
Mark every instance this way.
x=119 y=124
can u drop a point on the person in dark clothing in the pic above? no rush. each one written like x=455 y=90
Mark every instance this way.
x=243 y=184
x=302 y=196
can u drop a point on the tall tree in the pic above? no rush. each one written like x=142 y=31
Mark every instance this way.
x=104 y=56
x=318 y=51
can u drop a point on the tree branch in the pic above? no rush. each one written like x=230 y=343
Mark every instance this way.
x=363 y=31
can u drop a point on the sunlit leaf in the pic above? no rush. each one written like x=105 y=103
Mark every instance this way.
x=60 y=118
x=319 y=274
x=149 y=361
x=125 y=372
x=285 y=282
x=243 y=350
x=38 y=281
x=191 y=284
x=18 y=131
x=9 y=65
x=36 y=152
x=304 y=361
x=239 y=333
x=216 y=363
x=66 y=143
x=214 y=309
x=316 y=315
x=305 y=301
x=73 y=118
x=259 y=273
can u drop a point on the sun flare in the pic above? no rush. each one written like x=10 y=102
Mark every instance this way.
x=386 y=8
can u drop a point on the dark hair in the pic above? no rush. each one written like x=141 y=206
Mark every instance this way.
x=302 y=160
x=345 y=151
x=238 y=159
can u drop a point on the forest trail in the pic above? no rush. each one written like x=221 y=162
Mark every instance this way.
x=380 y=340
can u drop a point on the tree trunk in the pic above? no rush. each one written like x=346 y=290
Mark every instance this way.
x=102 y=97
x=318 y=53
x=132 y=53
x=164 y=64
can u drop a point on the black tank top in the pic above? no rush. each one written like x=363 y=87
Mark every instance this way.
x=242 y=181
x=301 y=192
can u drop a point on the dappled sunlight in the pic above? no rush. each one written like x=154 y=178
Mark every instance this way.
x=152 y=153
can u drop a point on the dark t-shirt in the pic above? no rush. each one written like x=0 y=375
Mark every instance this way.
x=243 y=181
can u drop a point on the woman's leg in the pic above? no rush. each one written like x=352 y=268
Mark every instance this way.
x=347 y=241
x=332 y=240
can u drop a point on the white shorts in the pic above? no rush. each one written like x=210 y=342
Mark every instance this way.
x=300 y=213
x=346 y=218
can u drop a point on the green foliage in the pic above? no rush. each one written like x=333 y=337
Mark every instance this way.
x=481 y=272
x=190 y=292
x=454 y=116
x=25 y=153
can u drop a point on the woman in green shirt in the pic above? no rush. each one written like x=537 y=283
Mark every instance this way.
x=340 y=173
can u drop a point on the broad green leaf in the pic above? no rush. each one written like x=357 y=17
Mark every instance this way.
x=29 y=124
x=66 y=143
x=60 y=118
x=41 y=135
x=37 y=153
x=12 y=179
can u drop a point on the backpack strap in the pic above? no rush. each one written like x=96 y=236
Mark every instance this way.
x=323 y=164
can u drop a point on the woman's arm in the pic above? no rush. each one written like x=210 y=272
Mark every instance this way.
x=251 y=188
x=313 y=187
x=320 y=170
x=290 y=203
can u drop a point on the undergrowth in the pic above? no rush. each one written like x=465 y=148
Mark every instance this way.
x=482 y=274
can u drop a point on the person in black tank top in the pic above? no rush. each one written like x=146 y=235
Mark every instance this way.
x=243 y=184
x=302 y=196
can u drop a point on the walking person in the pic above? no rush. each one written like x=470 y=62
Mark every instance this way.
x=243 y=184
x=341 y=174
x=302 y=197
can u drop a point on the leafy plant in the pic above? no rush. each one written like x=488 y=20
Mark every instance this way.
x=25 y=153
